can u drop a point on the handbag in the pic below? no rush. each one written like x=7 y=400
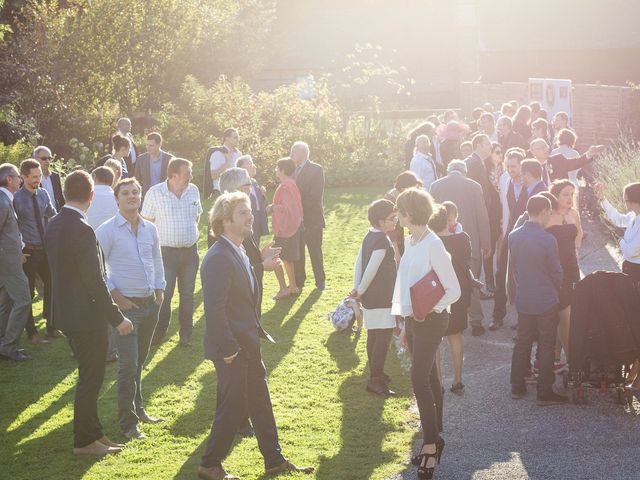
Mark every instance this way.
x=425 y=295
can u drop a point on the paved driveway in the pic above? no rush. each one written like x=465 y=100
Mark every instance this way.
x=492 y=437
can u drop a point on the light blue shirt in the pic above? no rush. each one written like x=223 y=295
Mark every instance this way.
x=155 y=170
x=134 y=262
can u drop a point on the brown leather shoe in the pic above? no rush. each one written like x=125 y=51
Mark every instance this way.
x=105 y=441
x=96 y=448
x=36 y=339
x=287 y=466
x=214 y=473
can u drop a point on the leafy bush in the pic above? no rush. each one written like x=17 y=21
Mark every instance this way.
x=15 y=153
x=618 y=167
x=355 y=150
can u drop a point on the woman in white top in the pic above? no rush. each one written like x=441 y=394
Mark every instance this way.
x=629 y=245
x=374 y=278
x=424 y=252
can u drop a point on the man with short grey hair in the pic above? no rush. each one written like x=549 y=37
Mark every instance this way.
x=50 y=180
x=309 y=177
x=124 y=128
x=15 y=301
x=468 y=197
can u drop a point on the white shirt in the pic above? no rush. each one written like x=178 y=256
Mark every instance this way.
x=103 y=206
x=245 y=259
x=418 y=260
x=219 y=159
x=176 y=218
x=422 y=166
x=82 y=213
x=45 y=182
x=630 y=243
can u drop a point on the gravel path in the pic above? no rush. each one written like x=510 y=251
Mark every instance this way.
x=492 y=437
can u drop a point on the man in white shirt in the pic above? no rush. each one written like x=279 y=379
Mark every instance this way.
x=124 y=128
x=50 y=180
x=174 y=206
x=224 y=158
x=135 y=277
x=103 y=205
x=422 y=164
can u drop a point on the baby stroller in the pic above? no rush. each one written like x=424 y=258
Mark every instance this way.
x=604 y=336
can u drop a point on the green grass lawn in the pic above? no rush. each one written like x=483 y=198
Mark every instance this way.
x=317 y=380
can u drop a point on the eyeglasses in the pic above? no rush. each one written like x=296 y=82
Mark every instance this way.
x=44 y=158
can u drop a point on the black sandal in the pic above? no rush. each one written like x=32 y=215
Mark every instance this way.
x=457 y=388
x=424 y=472
x=415 y=460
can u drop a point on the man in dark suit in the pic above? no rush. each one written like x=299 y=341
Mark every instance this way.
x=507 y=137
x=124 y=128
x=15 y=301
x=558 y=166
x=50 y=179
x=309 y=177
x=82 y=308
x=532 y=184
x=468 y=197
x=151 y=167
x=231 y=294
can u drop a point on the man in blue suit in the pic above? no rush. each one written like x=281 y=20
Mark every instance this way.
x=231 y=295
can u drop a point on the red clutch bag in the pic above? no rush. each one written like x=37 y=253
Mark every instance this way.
x=425 y=295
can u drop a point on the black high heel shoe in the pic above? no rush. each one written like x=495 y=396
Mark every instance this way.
x=415 y=460
x=424 y=472
x=440 y=448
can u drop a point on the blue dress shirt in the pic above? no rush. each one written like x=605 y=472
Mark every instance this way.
x=134 y=262
x=535 y=263
x=23 y=205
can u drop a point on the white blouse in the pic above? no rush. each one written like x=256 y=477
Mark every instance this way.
x=630 y=243
x=418 y=260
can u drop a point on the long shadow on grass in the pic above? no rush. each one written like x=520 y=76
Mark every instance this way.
x=363 y=428
x=272 y=355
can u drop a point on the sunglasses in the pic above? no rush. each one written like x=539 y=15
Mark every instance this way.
x=44 y=158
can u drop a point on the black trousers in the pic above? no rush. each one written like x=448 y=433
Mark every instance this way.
x=500 y=295
x=242 y=386
x=90 y=351
x=312 y=238
x=37 y=264
x=424 y=339
x=544 y=327
x=378 y=340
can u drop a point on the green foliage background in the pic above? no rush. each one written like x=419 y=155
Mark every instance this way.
x=69 y=69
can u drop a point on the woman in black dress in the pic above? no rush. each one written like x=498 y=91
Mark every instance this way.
x=565 y=226
x=444 y=222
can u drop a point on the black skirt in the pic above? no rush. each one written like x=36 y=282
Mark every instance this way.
x=290 y=247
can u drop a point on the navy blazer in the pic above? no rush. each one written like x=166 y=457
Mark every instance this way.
x=310 y=182
x=80 y=296
x=230 y=306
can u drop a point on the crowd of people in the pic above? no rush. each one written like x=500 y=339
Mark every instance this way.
x=502 y=207
x=489 y=210
x=110 y=246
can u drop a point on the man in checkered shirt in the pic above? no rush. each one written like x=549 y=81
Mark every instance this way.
x=174 y=206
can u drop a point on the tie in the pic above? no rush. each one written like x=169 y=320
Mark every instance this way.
x=545 y=175
x=36 y=211
x=297 y=172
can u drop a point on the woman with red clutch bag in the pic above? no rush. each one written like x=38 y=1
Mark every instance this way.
x=425 y=257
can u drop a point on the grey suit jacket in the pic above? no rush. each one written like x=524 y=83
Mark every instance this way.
x=143 y=169
x=10 y=240
x=472 y=211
